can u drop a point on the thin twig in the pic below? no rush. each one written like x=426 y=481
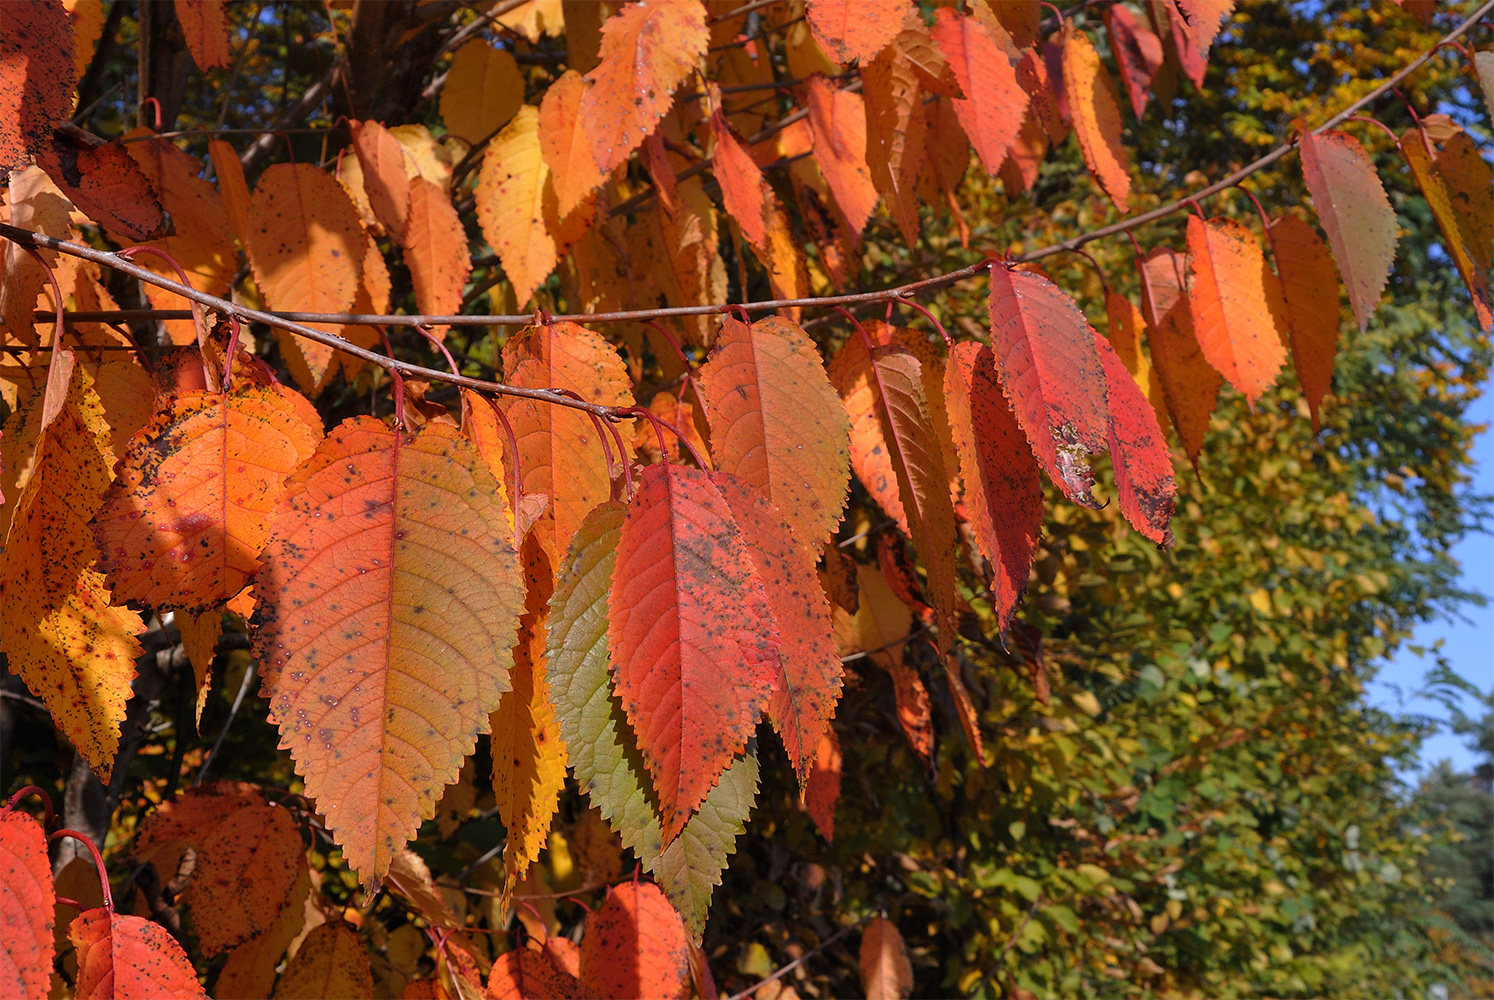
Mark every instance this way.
x=233 y=711
x=799 y=961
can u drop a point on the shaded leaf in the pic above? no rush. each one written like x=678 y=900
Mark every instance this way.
x=744 y=192
x=822 y=789
x=565 y=143
x=385 y=182
x=26 y=908
x=1356 y=215
x=897 y=124
x=1124 y=324
x=1196 y=23
x=483 y=90
x=183 y=523
x=435 y=247
x=1138 y=53
x=129 y=958
x=1459 y=187
x=694 y=650
x=1309 y=286
x=36 y=77
x=387 y=613
x=994 y=103
x=205 y=25
x=1189 y=384
x=1236 y=304
x=527 y=974
x=332 y=962
x=1096 y=116
x=635 y=946
x=105 y=184
x=886 y=973
x=1045 y=356
x=776 y=422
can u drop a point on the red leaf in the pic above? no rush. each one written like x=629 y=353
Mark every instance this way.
x=36 y=77
x=837 y=121
x=776 y=422
x=387 y=613
x=693 y=644
x=26 y=906
x=743 y=190
x=1356 y=215
x=526 y=974
x=822 y=790
x=635 y=946
x=1138 y=53
x=1003 y=491
x=1045 y=354
x=1310 y=286
x=130 y=958
x=897 y=123
x=808 y=683
x=1236 y=303
x=1189 y=385
x=994 y=104
x=1138 y=452
x=855 y=29
x=105 y=184
x=1196 y=24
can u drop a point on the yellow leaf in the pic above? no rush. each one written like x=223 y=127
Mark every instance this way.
x=483 y=91
x=510 y=203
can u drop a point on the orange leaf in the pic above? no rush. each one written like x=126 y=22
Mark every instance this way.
x=1139 y=457
x=648 y=49
x=1044 y=352
x=385 y=181
x=251 y=967
x=36 y=77
x=837 y=121
x=483 y=90
x=776 y=422
x=856 y=29
x=635 y=946
x=523 y=973
x=205 y=25
x=183 y=524
x=332 y=962
x=1123 y=326
x=1459 y=187
x=1189 y=384
x=886 y=973
x=809 y=672
x=435 y=247
x=565 y=143
x=26 y=908
x=1138 y=53
x=1003 y=491
x=387 y=612
x=559 y=453
x=1356 y=215
x=994 y=104
x=822 y=789
x=897 y=125
x=200 y=635
x=249 y=858
x=58 y=627
x=1096 y=116
x=511 y=204
x=694 y=650
x=1195 y=25
x=129 y=958
x=528 y=753
x=232 y=188
x=1236 y=303
x=744 y=192
x=105 y=184
x=1310 y=287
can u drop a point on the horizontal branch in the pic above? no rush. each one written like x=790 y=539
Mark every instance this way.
x=294 y=321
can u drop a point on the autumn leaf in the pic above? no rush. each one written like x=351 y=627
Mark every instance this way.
x=129 y=958
x=694 y=649
x=837 y=121
x=1189 y=384
x=776 y=422
x=25 y=908
x=1096 y=116
x=105 y=184
x=1457 y=183
x=744 y=192
x=1236 y=304
x=380 y=672
x=249 y=856
x=1138 y=452
x=565 y=143
x=36 y=77
x=560 y=455
x=252 y=966
x=648 y=49
x=200 y=635
x=822 y=788
x=994 y=103
x=510 y=203
x=1045 y=356
x=382 y=160
x=635 y=946
x=602 y=753
x=1124 y=324
x=855 y=30
x=886 y=973
x=331 y=962
x=233 y=189
x=1003 y=491
x=523 y=973
x=58 y=626
x=896 y=122
x=1196 y=23
x=528 y=753
x=1138 y=53
x=1356 y=215
x=183 y=523
x=1309 y=287
x=435 y=247
x=483 y=90
x=205 y=25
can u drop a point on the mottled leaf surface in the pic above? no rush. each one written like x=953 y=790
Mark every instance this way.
x=635 y=946
x=1139 y=455
x=855 y=29
x=130 y=958
x=26 y=906
x=1351 y=203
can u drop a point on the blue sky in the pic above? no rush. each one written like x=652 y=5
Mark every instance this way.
x=1467 y=641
